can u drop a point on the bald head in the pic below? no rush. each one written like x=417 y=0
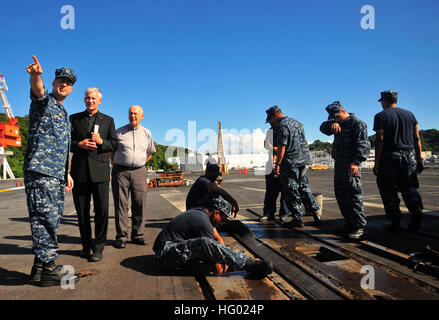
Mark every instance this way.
x=135 y=115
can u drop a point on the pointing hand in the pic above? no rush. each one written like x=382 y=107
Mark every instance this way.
x=34 y=68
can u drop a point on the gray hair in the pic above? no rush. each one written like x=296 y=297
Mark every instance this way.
x=93 y=90
x=136 y=106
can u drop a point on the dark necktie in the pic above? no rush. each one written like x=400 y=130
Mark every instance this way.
x=91 y=120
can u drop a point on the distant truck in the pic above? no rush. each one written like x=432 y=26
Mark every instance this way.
x=319 y=167
x=165 y=179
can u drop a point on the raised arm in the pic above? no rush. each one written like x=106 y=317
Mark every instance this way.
x=326 y=127
x=223 y=193
x=36 y=83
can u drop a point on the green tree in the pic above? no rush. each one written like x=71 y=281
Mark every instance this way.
x=17 y=159
x=158 y=159
x=429 y=140
x=321 y=146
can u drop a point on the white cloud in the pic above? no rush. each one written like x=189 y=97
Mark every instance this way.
x=243 y=141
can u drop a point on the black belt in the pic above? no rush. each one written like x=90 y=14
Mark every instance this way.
x=127 y=168
x=403 y=150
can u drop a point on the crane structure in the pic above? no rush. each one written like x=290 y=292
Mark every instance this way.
x=9 y=131
x=221 y=158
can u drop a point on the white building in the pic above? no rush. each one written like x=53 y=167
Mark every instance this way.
x=370 y=162
x=257 y=161
x=233 y=161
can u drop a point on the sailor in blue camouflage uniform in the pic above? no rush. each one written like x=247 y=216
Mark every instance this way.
x=191 y=240
x=350 y=148
x=398 y=160
x=45 y=174
x=292 y=158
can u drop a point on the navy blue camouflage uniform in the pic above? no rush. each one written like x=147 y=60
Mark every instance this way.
x=398 y=174
x=293 y=178
x=189 y=240
x=398 y=164
x=177 y=255
x=351 y=145
x=45 y=172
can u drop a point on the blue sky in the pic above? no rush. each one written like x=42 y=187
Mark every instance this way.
x=228 y=61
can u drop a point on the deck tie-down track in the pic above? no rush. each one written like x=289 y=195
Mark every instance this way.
x=295 y=267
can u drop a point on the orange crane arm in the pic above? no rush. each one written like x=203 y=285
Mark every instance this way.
x=9 y=134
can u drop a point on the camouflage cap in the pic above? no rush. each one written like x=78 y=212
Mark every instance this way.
x=334 y=109
x=389 y=95
x=271 y=111
x=213 y=169
x=66 y=73
x=223 y=206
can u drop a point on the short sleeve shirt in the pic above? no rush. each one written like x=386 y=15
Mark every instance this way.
x=134 y=146
x=194 y=223
x=268 y=145
x=398 y=125
x=198 y=193
x=210 y=160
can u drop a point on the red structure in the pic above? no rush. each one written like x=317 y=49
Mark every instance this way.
x=167 y=179
x=9 y=131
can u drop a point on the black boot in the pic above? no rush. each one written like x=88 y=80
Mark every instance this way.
x=85 y=253
x=51 y=275
x=282 y=219
x=415 y=221
x=394 y=227
x=97 y=255
x=258 y=269
x=267 y=217
x=37 y=270
x=295 y=223
x=356 y=233
x=343 y=231
x=318 y=221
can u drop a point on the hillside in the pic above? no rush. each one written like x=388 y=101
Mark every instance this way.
x=429 y=138
x=16 y=160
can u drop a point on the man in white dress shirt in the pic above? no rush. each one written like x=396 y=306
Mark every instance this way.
x=129 y=176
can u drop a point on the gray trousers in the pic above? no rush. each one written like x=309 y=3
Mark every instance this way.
x=126 y=183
